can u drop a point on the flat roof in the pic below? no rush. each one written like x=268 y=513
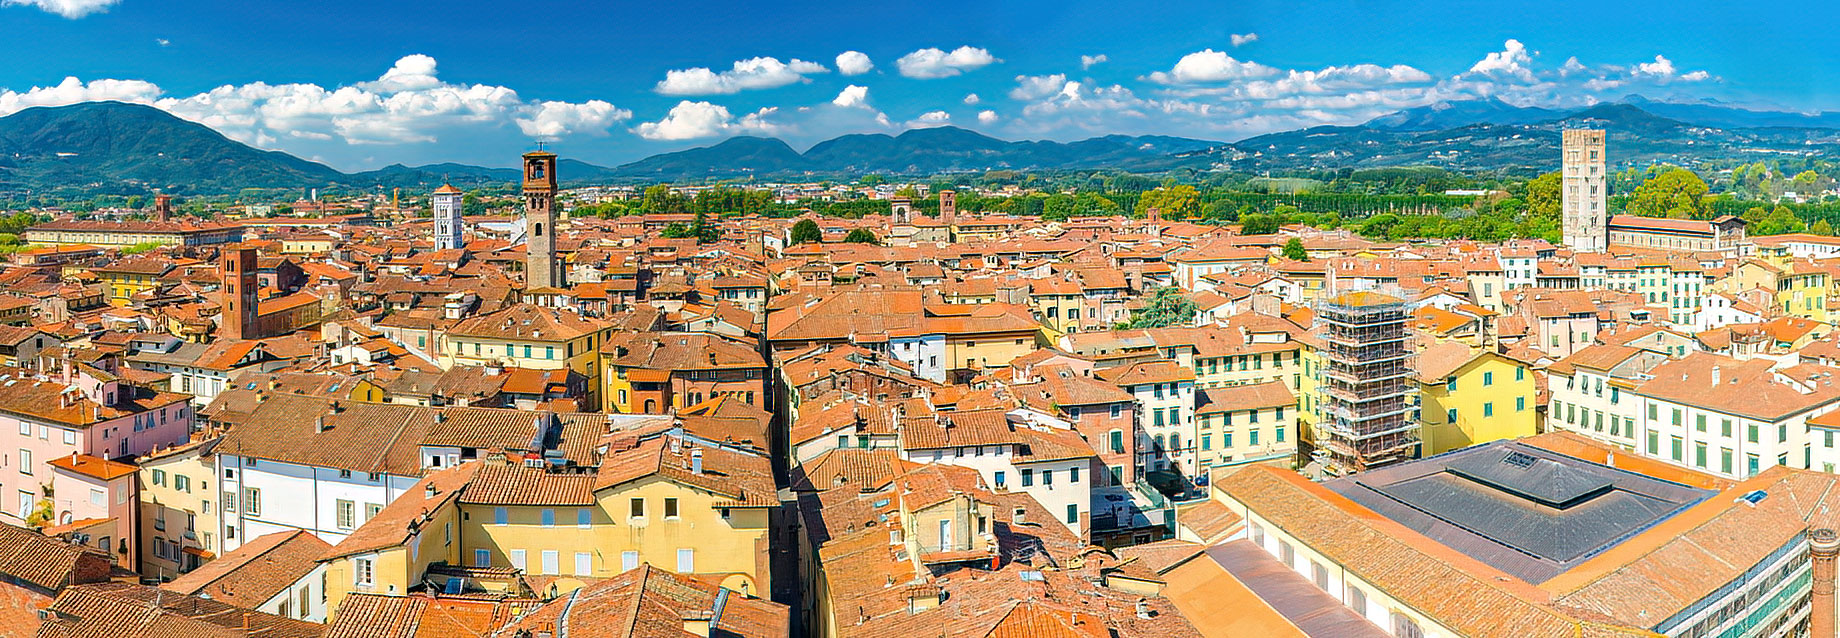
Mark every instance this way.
x=1530 y=512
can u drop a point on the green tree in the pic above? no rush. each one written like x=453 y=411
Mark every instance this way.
x=1543 y=196
x=1173 y=202
x=861 y=236
x=1675 y=193
x=806 y=231
x=1167 y=307
x=1293 y=250
x=1780 y=221
x=1259 y=224
x=1821 y=227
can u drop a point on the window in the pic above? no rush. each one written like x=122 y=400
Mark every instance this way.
x=1699 y=454
x=1488 y=379
x=229 y=502
x=1520 y=374
x=1278 y=433
x=1725 y=460
x=1674 y=448
x=629 y=560
x=252 y=501
x=371 y=510
x=347 y=512
x=1286 y=553
x=670 y=508
x=25 y=461
x=1699 y=422
x=584 y=518
x=1450 y=385
x=482 y=558
x=159 y=478
x=1404 y=627
x=1117 y=410
x=1654 y=443
x=552 y=561
x=501 y=516
x=1028 y=478
x=549 y=517
x=1520 y=404
x=1488 y=410
x=584 y=564
x=182 y=483
x=1751 y=433
x=1073 y=474
x=1073 y=514
x=686 y=561
x=1320 y=575
x=517 y=558
x=1450 y=415
x=1002 y=479
x=1117 y=441
x=1725 y=427
x=361 y=569
x=638 y=508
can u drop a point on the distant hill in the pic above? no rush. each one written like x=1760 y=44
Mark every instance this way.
x=1513 y=144
x=117 y=147
x=915 y=152
x=1452 y=114
x=100 y=142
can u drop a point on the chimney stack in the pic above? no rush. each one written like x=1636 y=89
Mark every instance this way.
x=696 y=461
x=1823 y=546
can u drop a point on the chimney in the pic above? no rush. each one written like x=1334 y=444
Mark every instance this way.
x=1715 y=375
x=428 y=492
x=1823 y=546
x=696 y=461
x=319 y=424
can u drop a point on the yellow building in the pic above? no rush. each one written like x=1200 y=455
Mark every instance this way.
x=1057 y=302
x=672 y=501
x=531 y=337
x=1469 y=396
x=123 y=279
x=178 y=513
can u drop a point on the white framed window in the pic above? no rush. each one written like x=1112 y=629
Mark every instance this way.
x=517 y=558
x=362 y=572
x=482 y=558
x=584 y=564
x=629 y=560
x=686 y=561
x=552 y=562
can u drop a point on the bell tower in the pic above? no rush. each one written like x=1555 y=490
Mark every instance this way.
x=540 y=269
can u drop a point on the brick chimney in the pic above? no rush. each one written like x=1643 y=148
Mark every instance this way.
x=1823 y=546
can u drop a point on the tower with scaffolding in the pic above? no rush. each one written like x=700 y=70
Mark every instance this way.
x=1367 y=411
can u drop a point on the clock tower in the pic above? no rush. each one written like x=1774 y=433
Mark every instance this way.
x=540 y=267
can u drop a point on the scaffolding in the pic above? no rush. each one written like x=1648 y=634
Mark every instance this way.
x=1366 y=383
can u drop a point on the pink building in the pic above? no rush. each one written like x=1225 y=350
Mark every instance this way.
x=88 y=411
x=92 y=503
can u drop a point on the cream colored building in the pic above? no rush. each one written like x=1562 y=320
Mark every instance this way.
x=178 y=510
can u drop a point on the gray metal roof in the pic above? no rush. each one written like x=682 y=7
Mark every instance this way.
x=1526 y=511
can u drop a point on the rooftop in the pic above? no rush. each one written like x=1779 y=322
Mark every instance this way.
x=1524 y=510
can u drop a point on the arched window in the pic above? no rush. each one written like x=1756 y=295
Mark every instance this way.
x=537 y=230
x=651 y=406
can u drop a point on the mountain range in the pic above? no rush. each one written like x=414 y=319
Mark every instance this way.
x=119 y=147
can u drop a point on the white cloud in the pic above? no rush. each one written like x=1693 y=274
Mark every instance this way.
x=72 y=9
x=931 y=119
x=854 y=63
x=987 y=117
x=851 y=95
x=1208 y=65
x=753 y=73
x=1034 y=87
x=972 y=99
x=691 y=120
x=1661 y=66
x=556 y=119
x=1087 y=61
x=1696 y=76
x=162 y=42
x=1512 y=61
x=1243 y=39
x=72 y=91
x=931 y=63
x=408 y=104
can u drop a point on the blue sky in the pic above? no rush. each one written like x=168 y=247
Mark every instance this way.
x=365 y=84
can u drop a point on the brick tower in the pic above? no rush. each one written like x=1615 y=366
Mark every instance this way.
x=540 y=268
x=240 y=287
x=162 y=207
